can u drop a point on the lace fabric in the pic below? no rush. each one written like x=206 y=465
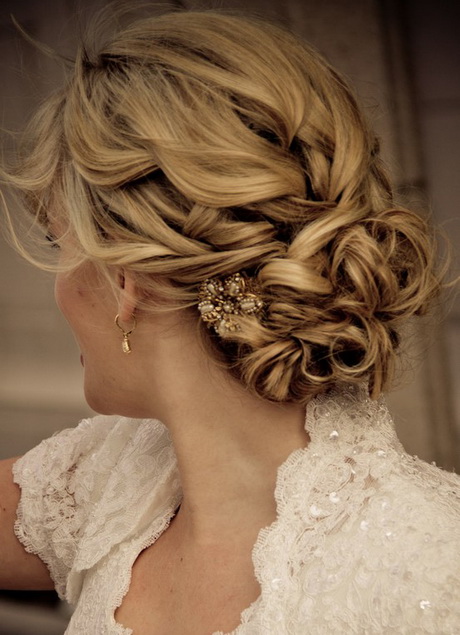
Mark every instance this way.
x=366 y=538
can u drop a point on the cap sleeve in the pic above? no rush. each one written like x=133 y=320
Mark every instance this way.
x=56 y=494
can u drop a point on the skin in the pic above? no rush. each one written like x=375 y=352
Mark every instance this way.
x=229 y=445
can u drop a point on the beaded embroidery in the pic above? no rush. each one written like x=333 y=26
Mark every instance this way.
x=222 y=299
x=365 y=541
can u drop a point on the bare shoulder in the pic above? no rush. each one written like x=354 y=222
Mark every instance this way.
x=18 y=569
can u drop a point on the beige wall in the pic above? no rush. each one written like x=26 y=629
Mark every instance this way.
x=416 y=110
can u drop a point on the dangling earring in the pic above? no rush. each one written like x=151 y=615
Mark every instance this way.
x=125 y=345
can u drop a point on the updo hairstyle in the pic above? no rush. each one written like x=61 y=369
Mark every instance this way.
x=195 y=145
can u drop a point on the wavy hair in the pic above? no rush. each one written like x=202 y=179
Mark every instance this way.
x=196 y=144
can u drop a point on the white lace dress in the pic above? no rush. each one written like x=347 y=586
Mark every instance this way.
x=367 y=538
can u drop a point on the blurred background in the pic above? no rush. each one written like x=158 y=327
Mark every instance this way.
x=403 y=57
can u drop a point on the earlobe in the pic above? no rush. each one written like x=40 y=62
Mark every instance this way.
x=127 y=299
x=121 y=279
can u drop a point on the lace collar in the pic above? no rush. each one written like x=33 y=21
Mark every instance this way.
x=314 y=488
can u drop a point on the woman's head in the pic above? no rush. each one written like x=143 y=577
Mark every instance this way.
x=195 y=145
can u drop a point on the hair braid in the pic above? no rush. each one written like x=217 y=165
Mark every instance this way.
x=196 y=144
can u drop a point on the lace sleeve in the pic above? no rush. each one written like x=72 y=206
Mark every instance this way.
x=56 y=495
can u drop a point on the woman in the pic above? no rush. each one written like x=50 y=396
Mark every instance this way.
x=232 y=264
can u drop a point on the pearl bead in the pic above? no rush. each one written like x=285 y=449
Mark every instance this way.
x=247 y=305
x=234 y=289
x=206 y=307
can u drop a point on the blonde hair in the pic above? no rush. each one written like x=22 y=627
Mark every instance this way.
x=199 y=144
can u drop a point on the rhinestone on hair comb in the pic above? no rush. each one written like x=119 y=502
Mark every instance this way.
x=220 y=299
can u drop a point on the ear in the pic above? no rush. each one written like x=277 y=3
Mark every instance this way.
x=127 y=295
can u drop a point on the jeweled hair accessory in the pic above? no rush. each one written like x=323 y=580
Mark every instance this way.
x=220 y=299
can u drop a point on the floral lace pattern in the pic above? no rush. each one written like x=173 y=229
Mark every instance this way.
x=366 y=540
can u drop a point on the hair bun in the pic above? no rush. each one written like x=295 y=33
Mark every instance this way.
x=197 y=144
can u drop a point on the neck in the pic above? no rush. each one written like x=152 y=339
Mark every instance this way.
x=229 y=443
x=228 y=456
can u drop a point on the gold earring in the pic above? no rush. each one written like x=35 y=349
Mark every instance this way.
x=125 y=345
